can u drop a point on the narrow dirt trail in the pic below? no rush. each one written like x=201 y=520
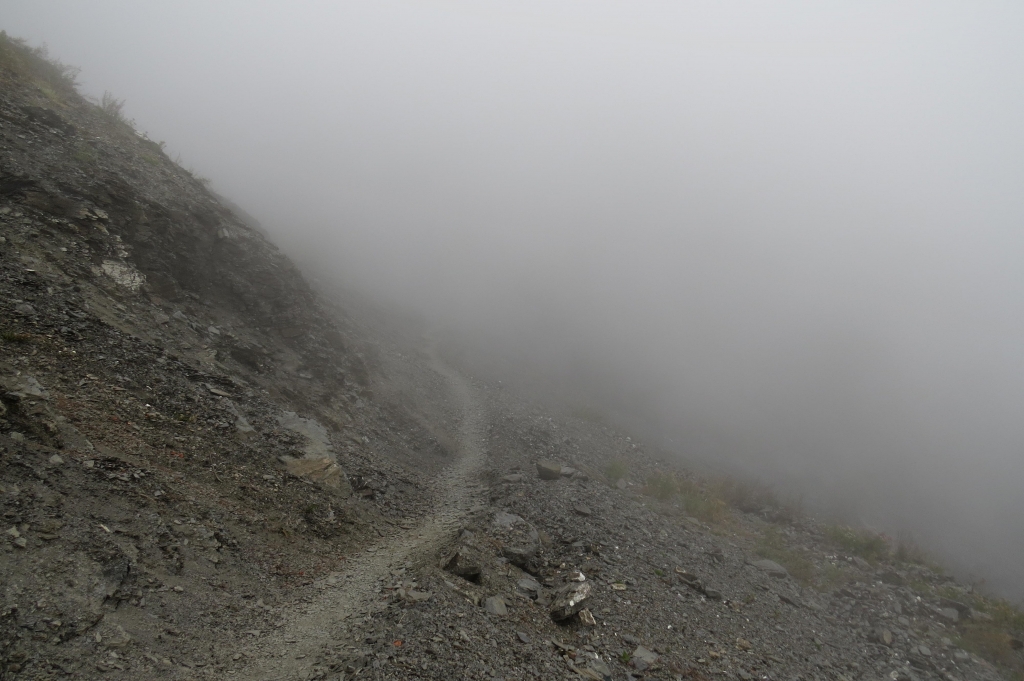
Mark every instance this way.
x=292 y=649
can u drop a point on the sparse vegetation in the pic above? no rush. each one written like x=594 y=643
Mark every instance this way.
x=745 y=496
x=907 y=551
x=18 y=60
x=833 y=576
x=615 y=471
x=112 y=107
x=662 y=486
x=205 y=181
x=16 y=337
x=862 y=543
x=699 y=502
x=773 y=547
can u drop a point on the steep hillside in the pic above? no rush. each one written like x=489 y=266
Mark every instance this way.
x=208 y=470
x=176 y=403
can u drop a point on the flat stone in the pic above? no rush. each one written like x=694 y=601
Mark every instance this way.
x=512 y=478
x=549 y=470
x=949 y=614
x=495 y=605
x=505 y=521
x=642 y=658
x=882 y=635
x=771 y=567
x=583 y=510
x=323 y=471
x=601 y=668
x=587 y=618
x=418 y=596
x=529 y=585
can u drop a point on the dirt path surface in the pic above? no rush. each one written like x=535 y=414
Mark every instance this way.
x=344 y=599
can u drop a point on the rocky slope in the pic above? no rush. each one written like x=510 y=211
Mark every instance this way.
x=208 y=470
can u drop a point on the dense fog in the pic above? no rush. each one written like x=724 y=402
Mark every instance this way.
x=783 y=239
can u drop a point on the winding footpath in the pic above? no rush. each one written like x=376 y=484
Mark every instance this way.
x=292 y=649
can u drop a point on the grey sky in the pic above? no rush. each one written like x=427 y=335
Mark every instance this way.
x=787 y=236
